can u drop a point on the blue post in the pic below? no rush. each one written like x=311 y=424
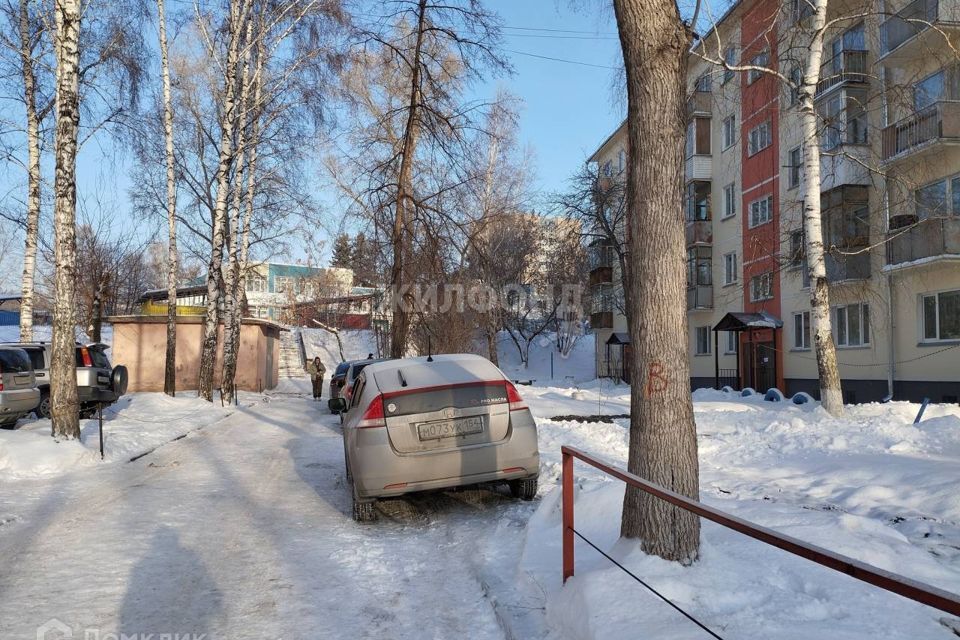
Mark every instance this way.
x=923 y=407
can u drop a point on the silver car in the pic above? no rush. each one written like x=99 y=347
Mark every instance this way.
x=419 y=424
x=18 y=386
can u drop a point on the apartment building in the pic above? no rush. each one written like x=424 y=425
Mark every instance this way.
x=889 y=119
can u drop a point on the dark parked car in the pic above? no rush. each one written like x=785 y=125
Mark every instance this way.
x=18 y=386
x=351 y=369
x=339 y=379
x=97 y=381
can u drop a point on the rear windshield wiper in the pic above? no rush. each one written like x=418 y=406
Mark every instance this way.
x=403 y=381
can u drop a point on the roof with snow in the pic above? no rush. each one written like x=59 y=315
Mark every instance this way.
x=618 y=338
x=10 y=296
x=739 y=321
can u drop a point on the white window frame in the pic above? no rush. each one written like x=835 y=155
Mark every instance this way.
x=759 y=138
x=730 y=57
x=767 y=211
x=729 y=132
x=843 y=311
x=729 y=201
x=921 y=317
x=731 y=344
x=705 y=331
x=730 y=276
x=804 y=318
x=795 y=171
x=767 y=292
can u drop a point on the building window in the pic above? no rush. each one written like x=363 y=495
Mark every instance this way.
x=851 y=325
x=698 y=201
x=282 y=284
x=700 y=267
x=794 y=167
x=761 y=211
x=622 y=160
x=256 y=283
x=729 y=131
x=698 y=137
x=730 y=58
x=731 y=342
x=759 y=138
x=704 y=84
x=938 y=199
x=602 y=298
x=941 y=316
x=796 y=248
x=729 y=201
x=703 y=341
x=608 y=169
x=730 y=267
x=762 y=59
x=801 y=331
x=761 y=287
x=793 y=89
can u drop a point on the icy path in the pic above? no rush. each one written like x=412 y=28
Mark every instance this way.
x=242 y=530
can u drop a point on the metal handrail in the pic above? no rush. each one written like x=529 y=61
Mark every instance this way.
x=911 y=589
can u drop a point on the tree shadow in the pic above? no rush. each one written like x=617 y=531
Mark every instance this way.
x=169 y=591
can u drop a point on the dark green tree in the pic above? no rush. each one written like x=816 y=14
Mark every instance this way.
x=342 y=252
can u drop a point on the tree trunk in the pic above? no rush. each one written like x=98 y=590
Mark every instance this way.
x=64 y=403
x=663 y=437
x=231 y=325
x=33 y=175
x=400 y=327
x=831 y=394
x=211 y=325
x=170 y=362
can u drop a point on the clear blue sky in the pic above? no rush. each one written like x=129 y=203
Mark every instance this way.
x=568 y=109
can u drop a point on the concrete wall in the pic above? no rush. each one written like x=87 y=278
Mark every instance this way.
x=139 y=343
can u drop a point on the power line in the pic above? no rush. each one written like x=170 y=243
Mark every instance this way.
x=584 y=64
x=594 y=33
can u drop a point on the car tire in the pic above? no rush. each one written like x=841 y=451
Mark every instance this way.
x=43 y=409
x=119 y=379
x=524 y=489
x=364 y=510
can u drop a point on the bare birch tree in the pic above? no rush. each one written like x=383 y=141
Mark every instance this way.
x=663 y=436
x=173 y=269
x=64 y=402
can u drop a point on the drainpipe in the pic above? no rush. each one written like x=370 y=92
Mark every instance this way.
x=886 y=216
x=890 y=340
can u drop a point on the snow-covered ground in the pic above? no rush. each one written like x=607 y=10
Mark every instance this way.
x=242 y=529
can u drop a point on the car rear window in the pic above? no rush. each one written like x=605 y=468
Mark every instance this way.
x=341 y=369
x=97 y=357
x=459 y=396
x=14 y=361
x=36 y=358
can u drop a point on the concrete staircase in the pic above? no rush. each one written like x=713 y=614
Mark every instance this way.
x=292 y=364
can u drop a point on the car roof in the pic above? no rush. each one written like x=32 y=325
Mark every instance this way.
x=445 y=369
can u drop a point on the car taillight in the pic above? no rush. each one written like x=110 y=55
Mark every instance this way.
x=85 y=355
x=373 y=416
x=513 y=397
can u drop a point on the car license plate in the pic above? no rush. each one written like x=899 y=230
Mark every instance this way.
x=450 y=428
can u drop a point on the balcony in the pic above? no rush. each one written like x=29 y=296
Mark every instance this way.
x=940 y=122
x=928 y=239
x=699 y=232
x=848 y=67
x=843 y=267
x=601 y=320
x=699 y=297
x=601 y=275
x=700 y=104
x=909 y=32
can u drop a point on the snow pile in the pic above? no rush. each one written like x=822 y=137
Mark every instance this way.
x=578 y=366
x=357 y=344
x=43 y=333
x=136 y=424
x=872 y=486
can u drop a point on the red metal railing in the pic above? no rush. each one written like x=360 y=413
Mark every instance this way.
x=917 y=591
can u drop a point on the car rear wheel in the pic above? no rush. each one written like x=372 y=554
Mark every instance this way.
x=363 y=510
x=524 y=489
x=43 y=409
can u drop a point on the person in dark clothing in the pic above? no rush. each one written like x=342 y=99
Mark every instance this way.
x=316 y=371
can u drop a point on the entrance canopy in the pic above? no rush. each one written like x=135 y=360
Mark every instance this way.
x=619 y=338
x=739 y=321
